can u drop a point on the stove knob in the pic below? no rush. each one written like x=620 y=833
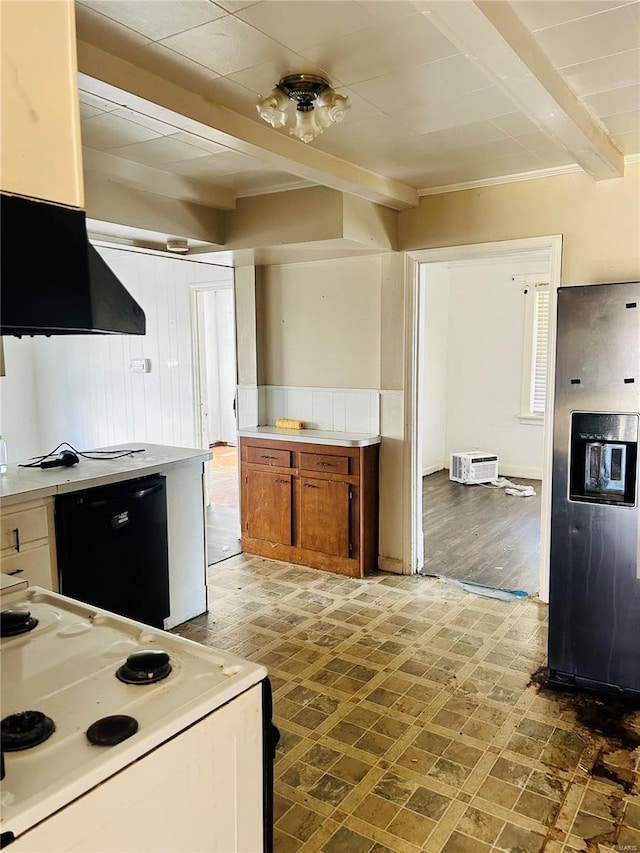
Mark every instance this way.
x=145 y=667
x=16 y=622
x=148 y=661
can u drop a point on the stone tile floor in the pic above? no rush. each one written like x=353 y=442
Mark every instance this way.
x=409 y=722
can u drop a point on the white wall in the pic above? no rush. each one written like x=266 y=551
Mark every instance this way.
x=85 y=390
x=19 y=420
x=483 y=354
x=434 y=332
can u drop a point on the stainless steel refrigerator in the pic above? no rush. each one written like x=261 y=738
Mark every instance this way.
x=594 y=605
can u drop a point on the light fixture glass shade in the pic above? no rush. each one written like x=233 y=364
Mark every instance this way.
x=273 y=108
x=305 y=103
x=306 y=128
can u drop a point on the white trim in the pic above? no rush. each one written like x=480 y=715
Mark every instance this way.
x=391 y=564
x=433 y=469
x=518 y=471
x=319 y=388
x=413 y=556
x=117 y=244
x=412 y=438
x=551 y=172
x=531 y=420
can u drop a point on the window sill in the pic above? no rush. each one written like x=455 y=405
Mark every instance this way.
x=532 y=420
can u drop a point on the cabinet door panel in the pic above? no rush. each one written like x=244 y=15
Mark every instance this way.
x=269 y=506
x=324 y=516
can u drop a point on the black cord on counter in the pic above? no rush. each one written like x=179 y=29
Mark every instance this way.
x=107 y=455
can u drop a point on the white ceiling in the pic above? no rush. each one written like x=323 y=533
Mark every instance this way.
x=429 y=110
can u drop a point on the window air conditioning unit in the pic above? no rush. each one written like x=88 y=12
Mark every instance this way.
x=473 y=466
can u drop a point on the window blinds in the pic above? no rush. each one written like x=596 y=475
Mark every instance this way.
x=540 y=349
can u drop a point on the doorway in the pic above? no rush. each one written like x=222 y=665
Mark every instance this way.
x=216 y=416
x=471 y=526
x=476 y=402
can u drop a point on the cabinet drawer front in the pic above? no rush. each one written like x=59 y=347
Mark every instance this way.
x=324 y=462
x=267 y=456
x=31 y=524
x=33 y=566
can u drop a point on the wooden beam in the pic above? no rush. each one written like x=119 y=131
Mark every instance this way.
x=492 y=35
x=129 y=85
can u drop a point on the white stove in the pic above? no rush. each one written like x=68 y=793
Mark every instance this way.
x=205 y=713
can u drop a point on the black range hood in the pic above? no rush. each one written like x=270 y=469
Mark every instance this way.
x=52 y=280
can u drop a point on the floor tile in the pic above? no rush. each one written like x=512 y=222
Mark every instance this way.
x=406 y=721
x=478 y=824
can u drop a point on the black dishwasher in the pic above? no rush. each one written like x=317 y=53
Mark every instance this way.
x=112 y=548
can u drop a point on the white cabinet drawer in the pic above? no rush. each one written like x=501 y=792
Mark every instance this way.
x=33 y=566
x=20 y=528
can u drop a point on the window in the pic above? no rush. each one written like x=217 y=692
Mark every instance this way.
x=536 y=346
x=538 y=394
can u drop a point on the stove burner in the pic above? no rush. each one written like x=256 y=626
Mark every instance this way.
x=14 y=622
x=25 y=729
x=145 y=667
x=112 y=730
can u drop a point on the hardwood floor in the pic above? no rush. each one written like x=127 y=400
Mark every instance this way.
x=223 y=514
x=481 y=534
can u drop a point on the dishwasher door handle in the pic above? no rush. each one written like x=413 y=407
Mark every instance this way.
x=151 y=490
x=130 y=496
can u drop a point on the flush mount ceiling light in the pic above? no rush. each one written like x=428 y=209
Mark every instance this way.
x=317 y=105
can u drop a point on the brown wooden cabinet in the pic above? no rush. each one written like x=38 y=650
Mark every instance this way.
x=269 y=504
x=312 y=504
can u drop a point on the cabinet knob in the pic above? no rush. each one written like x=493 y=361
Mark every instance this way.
x=16 y=533
x=285 y=482
x=325 y=464
x=16 y=572
x=310 y=486
x=267 y=457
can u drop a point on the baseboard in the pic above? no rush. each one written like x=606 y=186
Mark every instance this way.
x=520 y=471
x=391 y=564
x=503 y=471
x=432 y=469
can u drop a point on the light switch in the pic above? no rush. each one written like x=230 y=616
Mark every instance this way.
x=140 y=365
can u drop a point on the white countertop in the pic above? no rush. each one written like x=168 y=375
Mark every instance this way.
x=311 y=436
x=31 y=483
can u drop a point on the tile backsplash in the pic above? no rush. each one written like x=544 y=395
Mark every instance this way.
x=336 y=409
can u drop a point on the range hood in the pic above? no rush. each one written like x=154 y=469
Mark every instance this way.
x=53 y=281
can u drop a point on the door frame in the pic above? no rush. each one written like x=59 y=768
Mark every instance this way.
x=198 y=349
x=414 y=558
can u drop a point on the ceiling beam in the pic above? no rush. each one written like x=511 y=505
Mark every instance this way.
x=127 y=84
x=153 y=180
x=493 y=36
x=119 y=204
